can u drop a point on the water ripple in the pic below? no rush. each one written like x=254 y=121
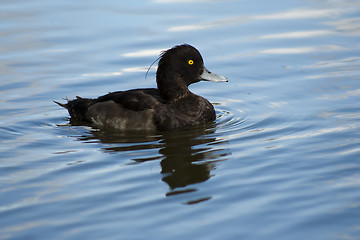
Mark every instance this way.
x=283 y=152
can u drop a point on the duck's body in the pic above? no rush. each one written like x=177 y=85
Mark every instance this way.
x=171 y=106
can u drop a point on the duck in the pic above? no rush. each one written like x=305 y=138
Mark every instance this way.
x=170 y=106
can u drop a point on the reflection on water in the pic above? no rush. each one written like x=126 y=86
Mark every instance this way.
x=187 y=156
x=189 y=159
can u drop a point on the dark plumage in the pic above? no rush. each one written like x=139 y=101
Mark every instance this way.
x=170 y=106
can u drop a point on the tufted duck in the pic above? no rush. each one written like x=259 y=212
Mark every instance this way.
x=170 y=106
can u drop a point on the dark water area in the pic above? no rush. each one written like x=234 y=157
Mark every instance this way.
x=281 y=161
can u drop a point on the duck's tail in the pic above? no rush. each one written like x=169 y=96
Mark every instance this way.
x=77 y=107
x=61 y=104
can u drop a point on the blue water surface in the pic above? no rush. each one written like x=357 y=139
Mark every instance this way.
x=281 y=161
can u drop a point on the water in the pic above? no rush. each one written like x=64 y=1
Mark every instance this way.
x=281 y=161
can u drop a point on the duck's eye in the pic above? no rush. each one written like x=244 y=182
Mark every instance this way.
x=190 y=62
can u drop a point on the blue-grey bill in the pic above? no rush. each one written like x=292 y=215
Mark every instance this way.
x=209 y=76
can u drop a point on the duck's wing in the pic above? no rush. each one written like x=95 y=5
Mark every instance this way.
x=135 y=100
x=127 y=110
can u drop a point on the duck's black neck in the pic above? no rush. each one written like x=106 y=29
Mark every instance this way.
x=171 y=85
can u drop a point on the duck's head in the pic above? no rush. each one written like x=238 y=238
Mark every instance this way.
x=179 y=67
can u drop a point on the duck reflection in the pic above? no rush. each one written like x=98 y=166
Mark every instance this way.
x=187 y=156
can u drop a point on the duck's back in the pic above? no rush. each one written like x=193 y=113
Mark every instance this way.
x=122 y=110
x=140 y=109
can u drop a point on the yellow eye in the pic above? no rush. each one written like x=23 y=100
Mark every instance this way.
x=190 y=62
